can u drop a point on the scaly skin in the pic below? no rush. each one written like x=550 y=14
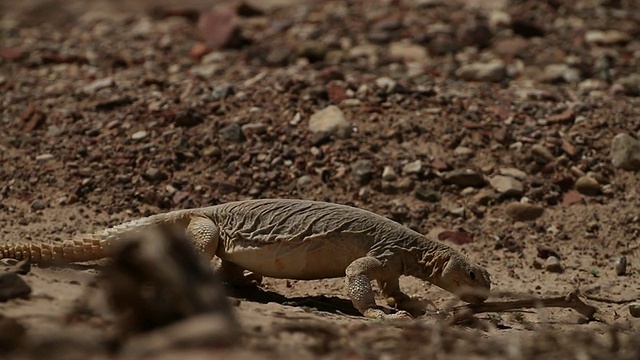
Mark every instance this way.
x=297 y=239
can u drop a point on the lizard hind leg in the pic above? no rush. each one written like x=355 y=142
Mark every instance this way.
x=204 y=235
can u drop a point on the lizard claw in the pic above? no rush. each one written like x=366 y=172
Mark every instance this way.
x=376 y=313
x=416 y=306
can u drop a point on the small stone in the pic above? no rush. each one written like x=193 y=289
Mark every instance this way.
x=313 y=50
x=98 y=85
x=249 y=130
x=407 y=51
x=484 y=197
x=425 y=194
x=494 y=71
x=387 y=84
x=44 y=157
x=233 y=132
x=625 y=152
x=630 y=85
x=153 y=174
x=37 y=205
x=388 y=174
x=459 y=211
x=523 y=212
x=608 y=37
x=331 y=121
x=304 y=182
x=465 y=178
x=554 y=73
x=553 y=264
x=507 y=185
x=621 y=266
x=587 y=185
x=541 y=152
x=634 y=309
x=139 y=135
x=463 y=151
x=414 y=167
x=514 y=173
x=361 y=171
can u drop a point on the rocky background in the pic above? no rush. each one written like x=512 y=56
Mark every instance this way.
x=507 y=129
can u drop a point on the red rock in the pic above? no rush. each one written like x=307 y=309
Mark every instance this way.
x=33 y=118
x=440 y=165
x=11 y=54
x=219 y=27
x=571 y=197
x=198 y=51
x=568 y=148
x=336 y=92
x=565 y=116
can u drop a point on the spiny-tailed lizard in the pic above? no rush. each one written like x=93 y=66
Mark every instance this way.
x=297 y=239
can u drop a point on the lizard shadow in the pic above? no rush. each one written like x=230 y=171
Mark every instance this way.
x=330 y=304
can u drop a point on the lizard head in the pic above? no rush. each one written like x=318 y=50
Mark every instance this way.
x=470 y=282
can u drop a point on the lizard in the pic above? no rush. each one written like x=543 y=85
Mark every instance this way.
x=296 y=239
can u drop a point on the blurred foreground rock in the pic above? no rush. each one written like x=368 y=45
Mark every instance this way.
x=166 y=296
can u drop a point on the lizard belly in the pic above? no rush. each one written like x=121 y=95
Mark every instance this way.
x=306 y=260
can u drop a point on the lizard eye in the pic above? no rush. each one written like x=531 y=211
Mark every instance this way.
x=472 y=275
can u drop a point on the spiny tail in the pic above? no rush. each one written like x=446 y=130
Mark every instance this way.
x=89 y=246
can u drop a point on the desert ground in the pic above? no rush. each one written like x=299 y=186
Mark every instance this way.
x=506 y=129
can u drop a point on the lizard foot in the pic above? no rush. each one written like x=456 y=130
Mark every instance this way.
x=376 y=313
x=413 y=305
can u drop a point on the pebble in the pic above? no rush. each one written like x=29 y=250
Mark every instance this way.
x=484 y=197
x=233 y=132
x=465 y=178
x=98 y=85
x=37 y=205
x=507 y=185
x=154 y=174
x=361 y=171
x=331 y=121
x=44 y=157
x=607 y=37
x=425 y=194
x=625 y=152
x=621 y=266
x=630 y=84
x=249 y=130
x=139 y=135
x=523 y=212
x=514 y=173
x=554 y=73
x=542 y=152
x=387 y=84
x=413 y=167
x=494 y=71
x=407 y=51
x=587 y=185
x=303 y=182
x=634 y=309
x=388 y=174
x=553 y=264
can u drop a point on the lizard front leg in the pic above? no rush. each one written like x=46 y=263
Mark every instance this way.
x=360 y=273
x=390 y=288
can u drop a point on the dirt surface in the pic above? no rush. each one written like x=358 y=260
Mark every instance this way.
x=454 y=112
